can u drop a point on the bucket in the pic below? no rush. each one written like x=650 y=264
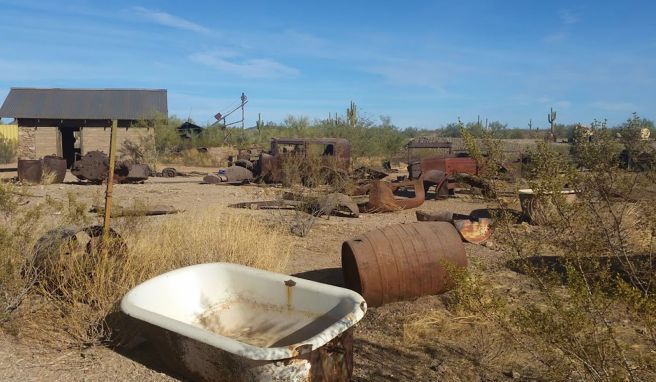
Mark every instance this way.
x=227 y=322
x=402 y=261
x=30 y=170
x=56 y=166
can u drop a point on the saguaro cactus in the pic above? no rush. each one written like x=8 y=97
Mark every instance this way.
x=551 y=117
x=352 y=114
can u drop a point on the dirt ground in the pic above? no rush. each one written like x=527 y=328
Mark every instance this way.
x=381 y=354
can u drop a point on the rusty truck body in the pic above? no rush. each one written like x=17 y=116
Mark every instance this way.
x=439 y=170
x=334 y=153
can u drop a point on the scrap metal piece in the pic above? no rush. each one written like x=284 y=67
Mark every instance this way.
x=169 y=172
x=315 y=205
x=131 y=173
x=119 y=211
x=56 y=166
x=402 y=261
x=336 y=202
x=365 y=173
x=230 y=175
x=93 y=167
x=382 y=198
x=268 y=205
x=51 y=249
x=30 y=170
x=475 y=231
x=214 y=179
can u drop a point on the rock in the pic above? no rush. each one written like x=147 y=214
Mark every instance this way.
x=512 y=374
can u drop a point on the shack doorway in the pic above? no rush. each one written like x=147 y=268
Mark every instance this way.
x=70 y=144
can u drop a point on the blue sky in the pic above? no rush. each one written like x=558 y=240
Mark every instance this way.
x=423 y=64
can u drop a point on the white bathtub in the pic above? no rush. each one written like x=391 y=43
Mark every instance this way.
x=231 y=322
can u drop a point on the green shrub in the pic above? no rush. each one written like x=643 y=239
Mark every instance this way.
x=8 y=150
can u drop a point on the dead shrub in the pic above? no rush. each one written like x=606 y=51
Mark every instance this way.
x=77 y=292
x=580 y=305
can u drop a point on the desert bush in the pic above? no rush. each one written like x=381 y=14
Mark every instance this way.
x=68 y=298
x=580 y=311
x=8 y=150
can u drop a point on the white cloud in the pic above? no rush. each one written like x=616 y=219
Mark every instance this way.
x=169 y=20
x=248 y=68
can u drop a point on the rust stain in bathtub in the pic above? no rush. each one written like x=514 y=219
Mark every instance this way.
x=289 y=284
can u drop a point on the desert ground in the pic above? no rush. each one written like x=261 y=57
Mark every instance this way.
x=381 y=352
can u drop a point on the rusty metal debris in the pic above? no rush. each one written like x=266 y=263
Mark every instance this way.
x=94 y=167
x=366 y=174
x=471 y=230
x=230 y=175
x=70 y=241
x=120 y=211
x=30 y=170
x=169 y=172
x=402 y=261
x=329 y=204
x=131 y=173
x=383 y=199
x=56 y=166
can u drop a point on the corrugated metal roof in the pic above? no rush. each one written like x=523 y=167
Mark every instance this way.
x=84 y=103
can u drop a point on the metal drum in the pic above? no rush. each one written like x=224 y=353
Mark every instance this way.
x=30 y=170
x=402 y=261
x=56 y=166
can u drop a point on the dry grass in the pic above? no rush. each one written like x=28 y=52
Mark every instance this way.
x=74 y=301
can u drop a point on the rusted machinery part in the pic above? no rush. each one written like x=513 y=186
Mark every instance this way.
x=131 y=172
x=245 y=163
x=93 y=166
x=119 y=211
x=434 y=216
x=402 y=261
x=30 y=170
x=52 y=245
x=316 y=205
x=336 y=202
x=268 y=205
x=437 y=178
x=213 y=179
x=169 y=172
x=55 y=245
x=478 y=182
x=382 y=199
x=475 y=231
x=367 y=173
x=56 y=166
x=238 y=174
x=94 y=245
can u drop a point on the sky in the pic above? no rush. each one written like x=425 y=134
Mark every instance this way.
x=421 y=63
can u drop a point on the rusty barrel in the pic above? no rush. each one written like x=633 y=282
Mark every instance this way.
x=402 y=261
x=56 y=166
x=30 y=170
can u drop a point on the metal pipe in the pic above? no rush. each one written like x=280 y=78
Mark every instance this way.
x=110 y=183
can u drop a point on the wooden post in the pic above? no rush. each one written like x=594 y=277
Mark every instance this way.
x=110 y=183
